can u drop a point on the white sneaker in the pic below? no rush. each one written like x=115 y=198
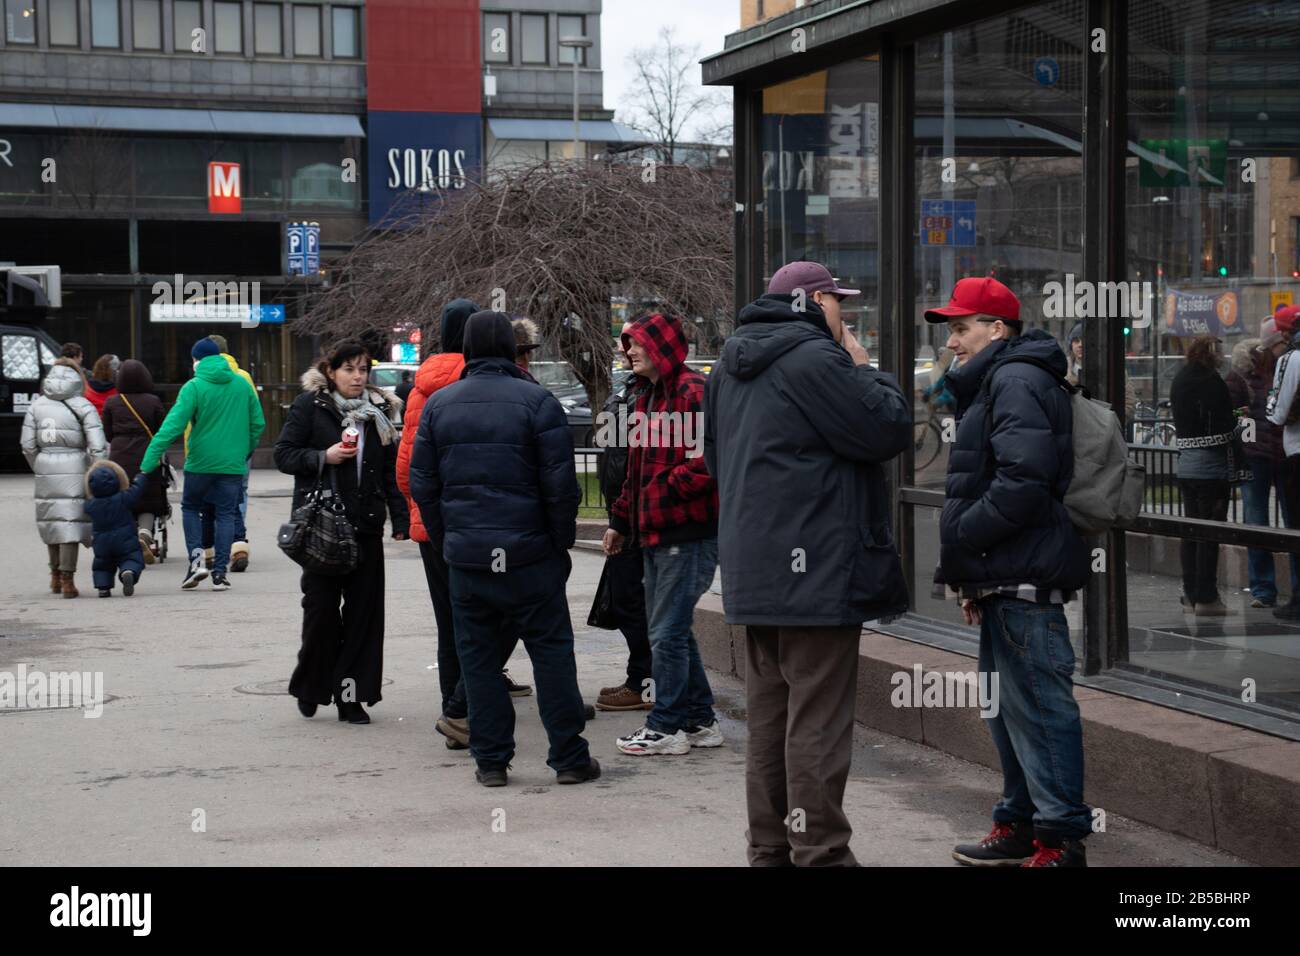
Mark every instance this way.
x=647 y=743
x=704 y=735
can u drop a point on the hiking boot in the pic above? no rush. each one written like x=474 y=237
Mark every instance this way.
x=649 y=743
x=621 y=698
x=516 y=690
x=580 y=774
x=56 y=583
x=454 y=728
x=239 y=557
x=67 y=584
x=491 y=777
x=220 y=582
x=146 y=546
x=105 y=592
x=1215 y=608
x=1006 y=845
x=128 y=582
x=1069 y=853
x=454 y=744
x=704 y=735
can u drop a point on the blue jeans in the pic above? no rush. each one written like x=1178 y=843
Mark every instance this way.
x=675 y=577
x=1037 y=730
x=1267 y=474
x=222 y=493
x=528 y=601
x=241 y=529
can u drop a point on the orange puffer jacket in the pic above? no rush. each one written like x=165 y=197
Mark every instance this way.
x=438 y=371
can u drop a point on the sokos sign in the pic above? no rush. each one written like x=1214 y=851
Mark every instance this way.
x=412 y=154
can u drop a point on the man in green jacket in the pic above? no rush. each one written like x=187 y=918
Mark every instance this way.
x=225 y=419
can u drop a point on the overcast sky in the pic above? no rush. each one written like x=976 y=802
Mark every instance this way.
x=628 y=24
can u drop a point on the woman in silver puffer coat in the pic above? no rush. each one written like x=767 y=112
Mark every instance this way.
x=62 y=436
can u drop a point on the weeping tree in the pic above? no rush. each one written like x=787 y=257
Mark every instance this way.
x=553 y=242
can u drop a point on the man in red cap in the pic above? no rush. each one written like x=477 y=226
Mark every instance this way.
x=1008 y=547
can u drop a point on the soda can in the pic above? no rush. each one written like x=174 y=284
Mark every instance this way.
x=350 y=437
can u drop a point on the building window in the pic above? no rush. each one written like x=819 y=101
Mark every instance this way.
x=146 y=24
x=306 y=30
x=347 y=32
x=533 y=33
x=229 y=23
x=105 y=27
x=572 y=27
x=1295 y=167
x=187 y=17
x=20 y=21
x=63 y=23
x=266 y=29
x=496 y=38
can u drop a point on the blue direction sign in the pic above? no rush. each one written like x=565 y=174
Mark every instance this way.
x=947 y=222
x=1047 y=71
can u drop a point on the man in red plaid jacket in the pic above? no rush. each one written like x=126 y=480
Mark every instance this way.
x=670 y=504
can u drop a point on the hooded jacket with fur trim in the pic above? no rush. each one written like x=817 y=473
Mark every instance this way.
x=110 y=501
x=313 y=424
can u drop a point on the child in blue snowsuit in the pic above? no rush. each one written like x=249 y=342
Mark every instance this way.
x=110 y=499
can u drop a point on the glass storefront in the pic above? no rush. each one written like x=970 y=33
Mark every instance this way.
x=1196 y=107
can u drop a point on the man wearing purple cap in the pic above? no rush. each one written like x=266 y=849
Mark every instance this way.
x=797 y=428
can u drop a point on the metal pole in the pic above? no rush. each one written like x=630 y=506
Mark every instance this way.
x=577 y=129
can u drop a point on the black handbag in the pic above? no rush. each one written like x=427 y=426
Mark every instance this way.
x=318 y=535
x=602 y=608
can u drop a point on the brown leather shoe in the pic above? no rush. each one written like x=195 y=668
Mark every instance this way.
x=67 y=585
x=56 y=582
x=623 y=698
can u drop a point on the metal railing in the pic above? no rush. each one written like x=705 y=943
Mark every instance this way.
x=587 y=463
x=1164 y=497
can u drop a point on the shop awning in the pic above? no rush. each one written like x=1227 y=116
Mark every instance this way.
x=591 y=131
x=146 y=119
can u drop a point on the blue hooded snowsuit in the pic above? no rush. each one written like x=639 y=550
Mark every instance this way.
x=109 y=502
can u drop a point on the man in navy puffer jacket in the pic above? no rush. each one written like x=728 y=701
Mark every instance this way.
x=1007 y=545
x=493 y=476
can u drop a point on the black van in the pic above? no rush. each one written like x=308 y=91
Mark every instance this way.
x=26 y=354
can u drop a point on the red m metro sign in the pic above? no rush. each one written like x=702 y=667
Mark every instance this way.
x=224 y=193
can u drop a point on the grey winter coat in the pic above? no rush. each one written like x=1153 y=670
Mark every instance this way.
x=62 y=436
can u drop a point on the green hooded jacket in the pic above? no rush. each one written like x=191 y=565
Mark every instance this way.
x=226 y=417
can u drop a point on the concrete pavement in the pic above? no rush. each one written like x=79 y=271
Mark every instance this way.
x=198 y=728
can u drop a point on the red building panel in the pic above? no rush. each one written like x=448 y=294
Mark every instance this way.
x=424 y=56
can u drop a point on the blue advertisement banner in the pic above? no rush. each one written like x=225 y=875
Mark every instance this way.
x=416 y=156
x=1189 y=314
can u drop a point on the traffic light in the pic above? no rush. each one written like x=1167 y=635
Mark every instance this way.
x=1223 y=271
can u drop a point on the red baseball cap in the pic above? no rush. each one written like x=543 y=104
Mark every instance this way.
x=986 y=296
x=1285 y=319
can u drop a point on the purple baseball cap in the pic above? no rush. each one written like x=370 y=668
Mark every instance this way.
x=809 y=276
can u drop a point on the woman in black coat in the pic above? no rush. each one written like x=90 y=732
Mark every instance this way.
x=342 y=653
x=131 y=417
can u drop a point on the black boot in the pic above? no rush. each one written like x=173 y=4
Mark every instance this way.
x=306 y=707
x=1068 y=853
x=353 y=713
x=1006 y=845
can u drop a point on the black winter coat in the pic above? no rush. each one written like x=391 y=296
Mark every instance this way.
x=128 y=441
x=313 y=425
x=1005 y=522
x=492 y=468
x=796 y=435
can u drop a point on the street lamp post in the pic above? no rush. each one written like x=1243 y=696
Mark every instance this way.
x=575 y=44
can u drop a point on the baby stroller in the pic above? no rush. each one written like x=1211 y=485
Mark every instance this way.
x=163 y=518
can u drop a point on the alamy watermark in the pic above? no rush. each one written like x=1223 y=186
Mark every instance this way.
x=37 y=690
x=651 y=430
x=1073 y=299
x=177 y=300
x=922 y=688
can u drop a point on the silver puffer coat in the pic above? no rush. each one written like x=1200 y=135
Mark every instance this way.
x=62 y=435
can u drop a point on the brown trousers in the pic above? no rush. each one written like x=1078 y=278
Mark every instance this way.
x=800 y=686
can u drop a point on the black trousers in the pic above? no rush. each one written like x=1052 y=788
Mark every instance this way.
x=1202 y=498
x=627 y=580
x=528 y=601
x=341 y=644
x=436 y=576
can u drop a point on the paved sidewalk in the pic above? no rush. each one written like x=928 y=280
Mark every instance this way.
x=198 y=720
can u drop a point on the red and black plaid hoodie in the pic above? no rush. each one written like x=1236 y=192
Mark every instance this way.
x=668 y=497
